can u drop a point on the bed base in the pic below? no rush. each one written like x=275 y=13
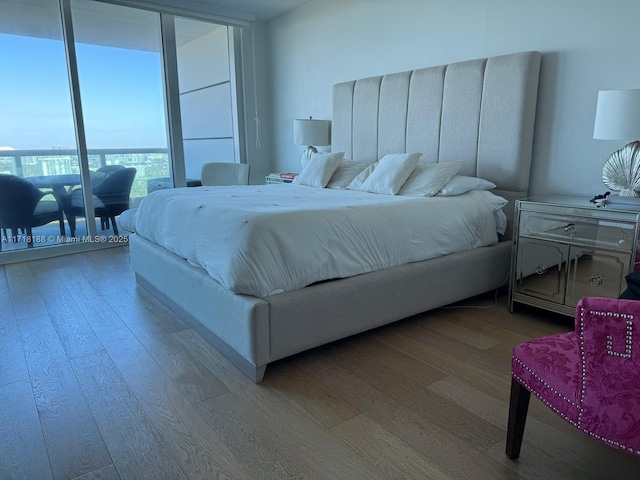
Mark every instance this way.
x=252 y=332
x=254 y=373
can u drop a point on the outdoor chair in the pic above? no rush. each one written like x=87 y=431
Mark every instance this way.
x=24 y=206
x=110 y=199
x=97 y=178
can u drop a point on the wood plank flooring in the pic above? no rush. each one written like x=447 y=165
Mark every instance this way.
x=98 y=380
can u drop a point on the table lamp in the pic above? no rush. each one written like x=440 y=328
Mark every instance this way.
x=618 y=118
x=310 y=132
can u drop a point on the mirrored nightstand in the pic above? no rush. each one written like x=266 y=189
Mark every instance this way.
x=566 y=248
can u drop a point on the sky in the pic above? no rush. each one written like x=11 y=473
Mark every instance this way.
x=121 y=92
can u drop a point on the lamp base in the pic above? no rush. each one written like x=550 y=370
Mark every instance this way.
x=628 y=193
x=307 y=154
x=621 y=172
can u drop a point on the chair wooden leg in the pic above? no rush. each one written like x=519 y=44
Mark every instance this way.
x=115 y=227
x=518 y=406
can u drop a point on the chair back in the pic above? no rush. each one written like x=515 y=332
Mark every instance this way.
x=115 y=191
x=606 y=329
x=110 y=168
x=221 y=173
x=18 y=200
x=100 y=174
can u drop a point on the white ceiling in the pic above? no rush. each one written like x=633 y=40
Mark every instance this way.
x=89 y=18
x=262 y=9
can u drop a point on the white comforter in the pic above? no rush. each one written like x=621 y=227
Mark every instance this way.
x=264 y=240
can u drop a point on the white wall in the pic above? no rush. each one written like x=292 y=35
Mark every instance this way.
x=587 y=45
x=256 y=101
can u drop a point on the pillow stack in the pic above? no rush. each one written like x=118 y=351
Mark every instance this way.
x=404 y=174
x=393 y=174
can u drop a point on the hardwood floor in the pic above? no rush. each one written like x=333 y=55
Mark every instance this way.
x=98 y=380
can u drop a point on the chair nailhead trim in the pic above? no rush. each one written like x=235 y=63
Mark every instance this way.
x=612 y=442
x=533 y=374
x=628 y=336
x=628 y=342
x=583 y=364
x=610 y=352
x=564 y=417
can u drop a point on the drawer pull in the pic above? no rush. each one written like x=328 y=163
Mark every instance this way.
x=541 y=269
x=570 y=230
x=595 y=280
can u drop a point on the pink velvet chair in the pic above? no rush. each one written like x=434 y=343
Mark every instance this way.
x=590 y=377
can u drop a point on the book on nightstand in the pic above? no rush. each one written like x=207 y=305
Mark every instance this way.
x=280 y=177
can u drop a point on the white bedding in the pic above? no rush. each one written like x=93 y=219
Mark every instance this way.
x=265 y=240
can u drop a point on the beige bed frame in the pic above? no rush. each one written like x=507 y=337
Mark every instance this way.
x=480 y=111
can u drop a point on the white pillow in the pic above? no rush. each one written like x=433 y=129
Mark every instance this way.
x=356 y=183
x=346 y=172
x=496 y=203
x=494 y=200
x=428 y=178
x=461 y=184
x=501 y=221
x=319 y=170
x=392 y=171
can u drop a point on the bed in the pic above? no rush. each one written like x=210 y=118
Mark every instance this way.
x=478 y=112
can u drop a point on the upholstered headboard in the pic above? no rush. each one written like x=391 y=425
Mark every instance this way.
x=481 y=112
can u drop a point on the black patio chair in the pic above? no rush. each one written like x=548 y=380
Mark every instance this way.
x=110 y=199
x=24 y=206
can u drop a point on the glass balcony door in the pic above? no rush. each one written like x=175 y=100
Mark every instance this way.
x=119 y=58
x=102 y=104
x=37 y=135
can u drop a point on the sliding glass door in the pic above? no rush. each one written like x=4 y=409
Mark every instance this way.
x=37 y=134
x=97 y=98
x=119 y=58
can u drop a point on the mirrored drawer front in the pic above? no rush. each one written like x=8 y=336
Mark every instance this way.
x=578 y=230
x=596 y=273
x=541 y=269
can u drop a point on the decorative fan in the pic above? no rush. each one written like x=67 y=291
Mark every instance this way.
x=621 y=172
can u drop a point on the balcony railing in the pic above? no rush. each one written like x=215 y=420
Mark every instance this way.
x=150 y=163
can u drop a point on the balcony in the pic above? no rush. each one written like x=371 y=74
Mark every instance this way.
x=38 y=165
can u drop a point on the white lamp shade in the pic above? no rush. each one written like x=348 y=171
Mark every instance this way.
x=311 y=132
x=618 y=115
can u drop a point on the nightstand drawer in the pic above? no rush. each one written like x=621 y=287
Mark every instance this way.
x=540 y=269
x=589 y=231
